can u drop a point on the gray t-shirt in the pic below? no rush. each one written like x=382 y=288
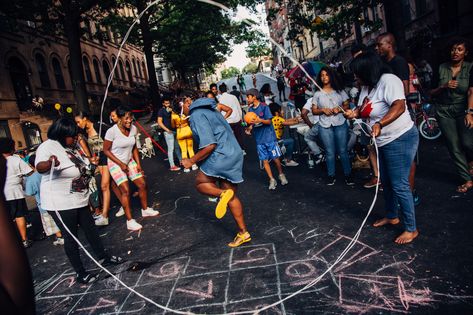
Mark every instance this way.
x=330 y=100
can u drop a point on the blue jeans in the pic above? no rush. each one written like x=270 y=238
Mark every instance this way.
x=335 y=140
x=395 y=160
x=289 y=144
x=311 y=138
x=170 y=141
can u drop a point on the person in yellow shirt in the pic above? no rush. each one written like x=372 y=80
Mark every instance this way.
x=278 y=124
x=184 y=136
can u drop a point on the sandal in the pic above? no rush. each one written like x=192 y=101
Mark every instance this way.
x=465 y=187
x=240 y=239
x=225 y=198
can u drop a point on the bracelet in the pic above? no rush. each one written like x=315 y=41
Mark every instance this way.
x=380 y=124
x=469 y=111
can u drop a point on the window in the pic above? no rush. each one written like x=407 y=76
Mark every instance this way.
x=421 y=7
x=106 y=71
x=4 y=129
x=375 y=13
x=115 y=72
x=406 y=11
x=88 y=73
x=134 y=67
x=122 y=71
x=98 y=77
x=58 y=74
x=139 y=70
x=69 y=69
x=144 y=70
x=42 y=71
x=128 y=71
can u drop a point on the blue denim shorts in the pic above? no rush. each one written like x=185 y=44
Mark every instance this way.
x=268 y=151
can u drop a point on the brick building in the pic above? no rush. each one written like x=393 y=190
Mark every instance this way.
x=36 y=64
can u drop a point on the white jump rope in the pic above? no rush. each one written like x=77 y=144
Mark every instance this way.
x=350 y=245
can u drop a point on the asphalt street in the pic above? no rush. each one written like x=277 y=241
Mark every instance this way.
x=180 y=259
x=261 y=78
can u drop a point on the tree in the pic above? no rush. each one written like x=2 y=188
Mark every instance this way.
x=188 y=34
x=230 y=72
x=61 y=18
x=329 y=18
x=258 y=47
x=250 y=68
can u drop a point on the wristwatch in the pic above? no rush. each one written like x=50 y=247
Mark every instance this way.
x=380 y=124
x=469 y=111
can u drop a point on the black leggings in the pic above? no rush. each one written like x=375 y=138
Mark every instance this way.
x=74 y=218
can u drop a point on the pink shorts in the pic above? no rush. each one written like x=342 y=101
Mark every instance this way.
x=120 y=176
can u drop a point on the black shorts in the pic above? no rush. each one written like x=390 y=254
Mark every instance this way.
x=17 y=208
x=102 y=159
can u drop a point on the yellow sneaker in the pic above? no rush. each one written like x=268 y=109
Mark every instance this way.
x=221 y=208
x=240 y=239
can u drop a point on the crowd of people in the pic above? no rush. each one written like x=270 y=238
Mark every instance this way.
x=209 y=129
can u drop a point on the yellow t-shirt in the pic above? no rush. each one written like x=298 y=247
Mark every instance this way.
x=278 y=126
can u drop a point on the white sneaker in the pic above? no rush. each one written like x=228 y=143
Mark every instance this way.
x=132 y=225
x=58 y=241
x=101 y=221
x=187 y=170
x=149 y=212
x=195 y=167
x=283 y=179
x=121 y=212
x=272 y=184
x=292 y=163
x=211 y=199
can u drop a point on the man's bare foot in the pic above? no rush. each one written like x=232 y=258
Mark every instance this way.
x=406 y=237
x=385 y=221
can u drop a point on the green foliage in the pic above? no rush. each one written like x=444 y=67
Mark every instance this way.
x=258 y=47
x=230 y=72
x=250 y=68
x=338 y=16
x=188 y=34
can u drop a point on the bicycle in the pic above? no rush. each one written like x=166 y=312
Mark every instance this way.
x=425 y=122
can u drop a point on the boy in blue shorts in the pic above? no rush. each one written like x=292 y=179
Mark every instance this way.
x=265 y=137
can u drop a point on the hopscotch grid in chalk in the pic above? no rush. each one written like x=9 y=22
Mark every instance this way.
x=130 y=293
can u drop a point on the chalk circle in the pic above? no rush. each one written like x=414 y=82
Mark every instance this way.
x=264 y=249
x=170 y=269
x=57 y=106
x=69 y=110
x=292 y=271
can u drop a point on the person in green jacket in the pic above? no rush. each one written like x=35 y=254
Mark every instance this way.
x=454 y=110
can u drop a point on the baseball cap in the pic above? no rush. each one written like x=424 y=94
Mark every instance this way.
x=253 y=92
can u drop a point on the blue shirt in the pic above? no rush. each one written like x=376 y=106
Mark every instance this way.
x=209 y=127
x=261 y=132
x=33 y=182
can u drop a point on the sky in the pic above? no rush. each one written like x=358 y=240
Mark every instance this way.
x=238 y=57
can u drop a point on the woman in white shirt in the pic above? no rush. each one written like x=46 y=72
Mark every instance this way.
x=124 y=162
x=333 y=127
x=382 y=104
x=64 y=188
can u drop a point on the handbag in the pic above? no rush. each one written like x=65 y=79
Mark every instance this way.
x=81 y=183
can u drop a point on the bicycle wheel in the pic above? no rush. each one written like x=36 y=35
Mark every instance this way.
x=429 y=129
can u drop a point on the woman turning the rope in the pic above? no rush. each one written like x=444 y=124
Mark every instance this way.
x=65 y=194
x=382 y=105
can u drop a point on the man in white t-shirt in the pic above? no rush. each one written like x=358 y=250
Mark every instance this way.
x=13 y=191
x=235 y=118
x=312 y=135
